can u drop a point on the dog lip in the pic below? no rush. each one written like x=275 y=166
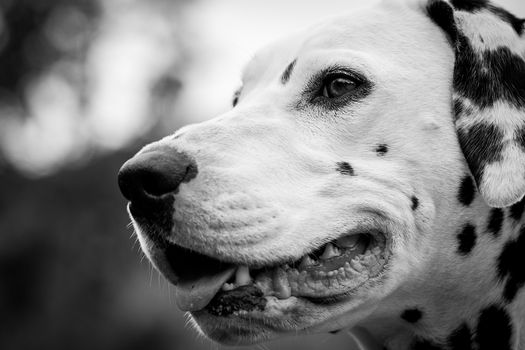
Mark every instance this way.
x=199 y=276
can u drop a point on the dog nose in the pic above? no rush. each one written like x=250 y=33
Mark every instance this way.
x=149 y=176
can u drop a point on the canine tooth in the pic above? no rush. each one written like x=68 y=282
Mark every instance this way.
x=329 y=252
x=242 y=276
x=348 y=241
x=307 y=261
x=281 y=286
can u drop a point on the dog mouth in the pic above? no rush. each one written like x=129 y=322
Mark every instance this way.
x=327 y=274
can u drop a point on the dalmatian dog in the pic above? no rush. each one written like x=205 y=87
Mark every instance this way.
x=370 y=174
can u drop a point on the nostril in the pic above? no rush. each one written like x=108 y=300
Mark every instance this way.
x=153 y=174
x=156 y=184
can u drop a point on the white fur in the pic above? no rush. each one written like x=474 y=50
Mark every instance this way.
x=267 y=188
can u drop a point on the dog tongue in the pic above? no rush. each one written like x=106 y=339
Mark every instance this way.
x=196 y=294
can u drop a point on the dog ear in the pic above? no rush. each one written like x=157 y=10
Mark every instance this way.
x=488 y=93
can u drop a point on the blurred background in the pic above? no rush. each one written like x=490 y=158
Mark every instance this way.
x=83 y=85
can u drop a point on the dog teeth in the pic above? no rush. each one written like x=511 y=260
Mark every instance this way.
x=242 y=276
x=227 y=287
x=330 y=251
x=356 y=265
x=281 y=286
x=348 y=242
x=307 y=261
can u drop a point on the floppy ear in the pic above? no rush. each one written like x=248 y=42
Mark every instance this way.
x=488 y=93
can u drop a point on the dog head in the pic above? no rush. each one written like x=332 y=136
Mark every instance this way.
x=332 y=191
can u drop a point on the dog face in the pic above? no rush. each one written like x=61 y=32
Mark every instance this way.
x=331 y=185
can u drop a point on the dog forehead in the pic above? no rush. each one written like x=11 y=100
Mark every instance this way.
x=399 y=31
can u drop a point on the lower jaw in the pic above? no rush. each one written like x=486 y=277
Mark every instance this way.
x=280 y=318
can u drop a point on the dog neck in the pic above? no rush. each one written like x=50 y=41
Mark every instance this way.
x=468 y=297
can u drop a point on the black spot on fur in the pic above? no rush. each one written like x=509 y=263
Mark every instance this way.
x=519 y=136
x=466 y=239
x=461 y=109
x=443 y=15
x=495 y=75
x=157 y=215
x=460 y=338
x=236 y=96
x=495 y=221
x=345 y=169
x=335 y=332
x=288 y=72
x=466 y=191
x=411 y=315
x=382 y=149
x=482 y=144
x=516 y=23
x=415 y=202
x=516 y=210
x=511 y=264
x=423 y=344
x=494 y=329
x=458 y=108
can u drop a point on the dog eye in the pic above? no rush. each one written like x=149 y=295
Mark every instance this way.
x=338 y=85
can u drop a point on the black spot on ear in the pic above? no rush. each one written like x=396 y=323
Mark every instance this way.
x=466 y=239
x=423 y=344
x=511 y=264
x=466 y=191
x=469 y=5
x=506 y=16
x=482 y=144
x=415 y=202
x=461 y=109
x=443 y=15
x=345 y=169
x=460 y=338
x=495 y=221
x=382 y=149
x=288 y=72
x=411 y=315
x=519 y=136
x=494 y=329
x=499 y=75
x=516 y=210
